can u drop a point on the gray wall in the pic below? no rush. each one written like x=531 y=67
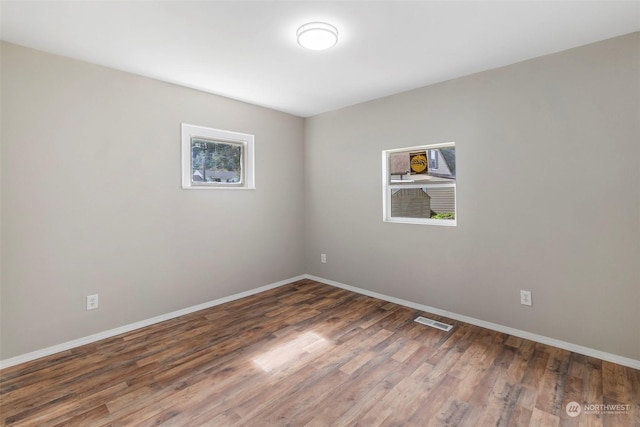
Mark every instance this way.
x=534 y=210
x=91 y=198
x=91 y=201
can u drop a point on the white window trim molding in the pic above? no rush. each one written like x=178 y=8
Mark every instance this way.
x=387 y=187
x=248 y=162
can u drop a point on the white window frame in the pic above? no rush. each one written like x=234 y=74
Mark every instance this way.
x=388 y=187
x=218 y=135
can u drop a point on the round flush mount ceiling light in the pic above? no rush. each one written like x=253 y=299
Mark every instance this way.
x=317 y=35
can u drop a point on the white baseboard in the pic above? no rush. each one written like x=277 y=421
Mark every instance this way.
x=624 y=361
x=620 y=360
x=137 y=325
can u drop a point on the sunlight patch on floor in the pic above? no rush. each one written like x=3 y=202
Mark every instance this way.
x=289 y=351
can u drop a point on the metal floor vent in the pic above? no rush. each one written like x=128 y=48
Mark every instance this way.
x=434 y=323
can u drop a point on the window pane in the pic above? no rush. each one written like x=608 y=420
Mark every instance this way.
x=436 y=164
x=215 y=162
x=435 y=202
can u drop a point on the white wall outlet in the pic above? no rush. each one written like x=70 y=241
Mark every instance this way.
x=525 y=298
x=323 y=258
x=92 y=302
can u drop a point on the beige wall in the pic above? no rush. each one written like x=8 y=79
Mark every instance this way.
x=527 y=136
x=92 y=203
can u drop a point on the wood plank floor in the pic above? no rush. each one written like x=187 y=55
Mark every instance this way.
x=308 y=354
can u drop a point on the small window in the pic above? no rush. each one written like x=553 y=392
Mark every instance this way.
x=419 y=184
x=215 y=159
x=433 y=159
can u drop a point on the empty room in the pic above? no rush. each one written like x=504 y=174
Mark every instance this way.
x=320 y=213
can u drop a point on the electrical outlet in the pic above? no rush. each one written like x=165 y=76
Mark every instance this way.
x=525 y=298
x=323 y=258
x=92 y=302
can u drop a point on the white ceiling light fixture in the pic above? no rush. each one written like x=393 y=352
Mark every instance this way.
x=317 y=36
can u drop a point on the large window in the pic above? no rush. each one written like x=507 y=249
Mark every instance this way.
x=214 y=158
x=419 y=184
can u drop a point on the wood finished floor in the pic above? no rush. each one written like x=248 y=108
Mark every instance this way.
x=308 y=354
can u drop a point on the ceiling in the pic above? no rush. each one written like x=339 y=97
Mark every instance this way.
x=247 y=50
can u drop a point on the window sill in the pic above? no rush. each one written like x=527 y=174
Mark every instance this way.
x=423 y=221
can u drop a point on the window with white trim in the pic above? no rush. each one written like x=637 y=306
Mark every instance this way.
x=419 y=184
x=215 y=159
